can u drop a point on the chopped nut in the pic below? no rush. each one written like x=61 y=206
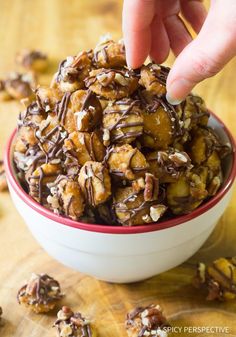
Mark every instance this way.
x=121 y=79
x=157 y=211
x=148 y=321
x=106 y=137
x=151 y=187
x=106 y=78
x=138 y=185
x=146 y=218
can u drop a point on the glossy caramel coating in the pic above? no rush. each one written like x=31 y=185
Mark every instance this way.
x=161 y=122
x=112 y=83
x=153 y=78
x=95 y=183
x=126 y=162
x=73 y=324
x=84 y=146
x=107 y=132
x=134 y=206
x=146 y=321
x=41 y=293
x=122 y=121
x=72 y=72
x=168 y=165
x=66 y=197
x=187 y=193
x=80 y=111
x=194 y=112
x=109 y=54
x=40 y=178
x=48 y=98
x=218 y=279
x=28 y=122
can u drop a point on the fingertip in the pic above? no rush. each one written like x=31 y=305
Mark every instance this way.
x=137 y=48
x=177 y=90
x=172 y=100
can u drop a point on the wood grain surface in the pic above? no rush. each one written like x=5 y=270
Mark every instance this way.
x=60 y=28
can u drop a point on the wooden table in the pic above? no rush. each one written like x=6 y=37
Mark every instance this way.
x=60 y=28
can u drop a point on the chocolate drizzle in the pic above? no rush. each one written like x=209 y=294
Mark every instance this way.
x=213 y=143
x=78 y=325
x=41 y=289
x=121 y=124
x=125 y=206
x=160 y=74
x=129 y=166
x=62 y=106
x=110 y=78
x=219 y=282
x=155 y=104
x=102 y=51
x=171 y=162
x=89 y=184
x=146 y=320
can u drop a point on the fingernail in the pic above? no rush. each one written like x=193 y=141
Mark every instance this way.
x=172 y=101
x=177 y=90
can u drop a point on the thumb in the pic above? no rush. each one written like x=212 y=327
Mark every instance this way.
x=207 y=54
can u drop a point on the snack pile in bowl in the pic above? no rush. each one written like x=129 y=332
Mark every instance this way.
x=102 y=144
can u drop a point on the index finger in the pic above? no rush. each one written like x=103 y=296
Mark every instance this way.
x=137 y=18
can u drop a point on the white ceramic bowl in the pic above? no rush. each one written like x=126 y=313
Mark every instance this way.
x=123 y=254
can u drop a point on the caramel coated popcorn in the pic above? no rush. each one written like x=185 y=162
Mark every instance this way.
x=103 y=145
x=218 y=279
x=40 y=294
x=73 y=324
x=146 y=321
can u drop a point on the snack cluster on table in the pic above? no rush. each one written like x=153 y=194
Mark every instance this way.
x=102 y=144
x=21 y=84
x=41 y=293
x=218 y=279
x=147 y=321
x=71 y=323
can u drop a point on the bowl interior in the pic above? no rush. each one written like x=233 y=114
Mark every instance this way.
x=229 y=171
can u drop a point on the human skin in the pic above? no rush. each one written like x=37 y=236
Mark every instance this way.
x=153 y=27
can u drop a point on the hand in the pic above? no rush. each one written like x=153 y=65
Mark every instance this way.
x=152 y=27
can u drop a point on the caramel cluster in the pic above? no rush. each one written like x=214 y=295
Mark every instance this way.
x=103 y=145
x=147 y=321
x=41 y=293
x=71 y=323
x=218 y=279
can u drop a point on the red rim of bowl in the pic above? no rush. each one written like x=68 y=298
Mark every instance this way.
x=119 y=229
